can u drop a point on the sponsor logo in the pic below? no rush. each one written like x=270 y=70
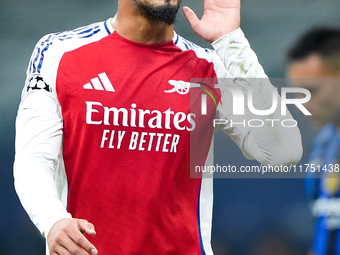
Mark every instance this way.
x=97 y=114
x=101 y=82
x=157 y=138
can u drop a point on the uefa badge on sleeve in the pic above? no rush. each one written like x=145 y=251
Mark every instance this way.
x=38 y=83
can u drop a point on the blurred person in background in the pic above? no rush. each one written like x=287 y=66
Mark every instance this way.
x=314 y=64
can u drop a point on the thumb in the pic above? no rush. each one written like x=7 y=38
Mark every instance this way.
x=86 y=227
x=191 y=16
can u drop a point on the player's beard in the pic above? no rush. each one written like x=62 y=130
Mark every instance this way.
x=164 y=13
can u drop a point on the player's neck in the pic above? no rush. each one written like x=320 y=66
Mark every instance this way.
x=132 y=25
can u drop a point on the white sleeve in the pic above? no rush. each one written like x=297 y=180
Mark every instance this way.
x=40 y=180
x=272 y=143
x=39 y=173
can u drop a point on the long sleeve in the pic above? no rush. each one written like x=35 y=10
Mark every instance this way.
x=40 y=180
x=272 y=143
x=39 y=172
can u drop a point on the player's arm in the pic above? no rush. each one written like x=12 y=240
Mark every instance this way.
x=39 y=134
x=273 y=143
x=220 y=25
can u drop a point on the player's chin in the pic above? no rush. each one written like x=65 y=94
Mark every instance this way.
x=162 y=13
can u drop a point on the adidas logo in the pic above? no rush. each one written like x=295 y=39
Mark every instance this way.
x=101 y=83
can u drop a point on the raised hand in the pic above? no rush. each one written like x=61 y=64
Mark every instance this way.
x=66 y=238
x=220 y=17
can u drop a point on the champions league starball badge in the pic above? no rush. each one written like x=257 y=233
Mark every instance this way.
x=38 y=83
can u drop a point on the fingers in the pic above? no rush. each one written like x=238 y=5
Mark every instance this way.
x=64 y=245
x=75 y=243
x=79 y=240
x=86 y=227
x=66 y=238
x=191 y=16
x=61 y=251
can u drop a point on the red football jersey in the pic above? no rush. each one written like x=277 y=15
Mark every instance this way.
x=113 y=129
x=127 y=144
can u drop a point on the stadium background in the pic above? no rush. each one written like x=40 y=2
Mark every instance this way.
x=251 y=216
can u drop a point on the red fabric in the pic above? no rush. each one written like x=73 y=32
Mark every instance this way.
x=140 y=201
